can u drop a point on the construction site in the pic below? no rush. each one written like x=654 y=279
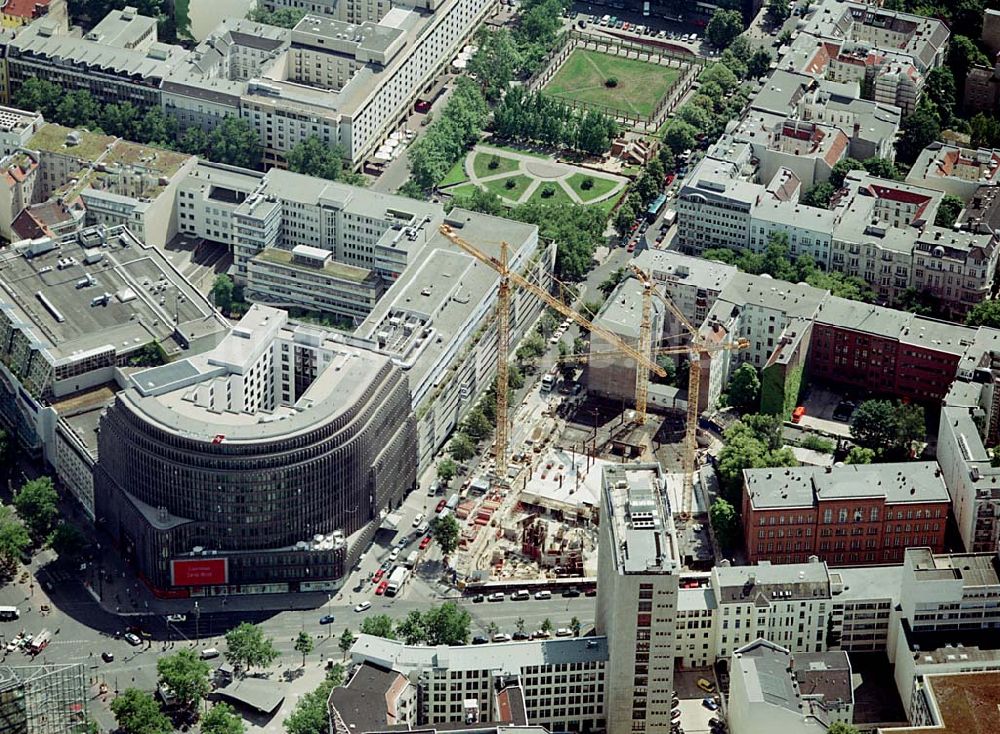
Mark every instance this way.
x=531 y=514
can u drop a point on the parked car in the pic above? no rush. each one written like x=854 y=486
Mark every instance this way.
x=480 y=640
x=478 y=599
x=543 y=594
x=425 y=541
x=709 y=703
x=706 y=685
x=176 y=618
x=501 y=637
x=521 y=636
x=496 y=596
x=395 y=554
x=571 y=593
x=418 y=519
x=377 y=576
x=440 y=505
x=132 y=639
x=380 y=589
x=564 y=632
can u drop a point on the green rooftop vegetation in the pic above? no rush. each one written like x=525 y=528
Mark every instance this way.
x=52 y=138
x=331 y=268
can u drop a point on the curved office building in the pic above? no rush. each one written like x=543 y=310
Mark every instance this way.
x=257 y=466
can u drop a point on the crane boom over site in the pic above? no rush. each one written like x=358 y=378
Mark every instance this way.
x=644 y=362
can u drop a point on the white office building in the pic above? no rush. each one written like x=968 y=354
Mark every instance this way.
x=638 y=570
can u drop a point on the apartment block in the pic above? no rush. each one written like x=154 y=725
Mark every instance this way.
x=692 y=283
x=558 y=684
x=16 y=13
x=955 y=170
x=638 y=570
x=949 y=614
x=610 y=374
x=774 y=690
x=923 y=39
x=853 y=514
x=969 y=423
x=788 y=604
x=119 y=60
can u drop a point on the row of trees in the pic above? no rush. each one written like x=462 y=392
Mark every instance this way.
x=448 y=138
x=232 y=141
x=578 y=230
x=719 y=98
x=532 y=117
x=281 y=17
x=776 y=262
x=447 y=624
x=646 y=187
x=504 y=55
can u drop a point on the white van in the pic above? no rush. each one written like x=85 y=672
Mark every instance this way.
x=209 y=653
x=544 y=594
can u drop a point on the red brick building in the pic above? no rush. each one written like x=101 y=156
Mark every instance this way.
x=847 y=515
x=885 y=352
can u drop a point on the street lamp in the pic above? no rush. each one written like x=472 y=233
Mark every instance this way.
x=197 y=624
x=329 y=627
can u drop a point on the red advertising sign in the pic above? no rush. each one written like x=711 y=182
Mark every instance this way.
x=199 y=572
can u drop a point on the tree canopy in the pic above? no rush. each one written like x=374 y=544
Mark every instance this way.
x=379 y=625
x=186 y=674
x=445 y=531
x=138 y=713
x=744 y=388
x=313 y=157
x=725 y=522
x=447 y=138
x=948 y=210
x=753 y=442
x=281 y=17
x=247 y=647
x=723 y=27
x=222 y=719
x=37 y=505
x=14 y=539
x=888 y=427
x=984 y=313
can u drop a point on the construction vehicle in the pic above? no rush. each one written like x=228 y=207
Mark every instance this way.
x=503 y=334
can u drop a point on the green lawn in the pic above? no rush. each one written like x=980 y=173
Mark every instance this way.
x=641 y=85
x=499 y=186
x=455 y=175
x=601 y=186
x=462 y=190
x=559 y=197
x=516 y=149
x=482 y=160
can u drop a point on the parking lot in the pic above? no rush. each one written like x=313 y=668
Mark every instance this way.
x=695 y=716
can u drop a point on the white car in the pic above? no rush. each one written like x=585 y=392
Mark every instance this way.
x=418 y=519
x=395 y=554
x=176 y=618
x=363 y=606
x=544 y=594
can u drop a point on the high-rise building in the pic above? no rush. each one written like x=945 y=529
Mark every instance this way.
x=638 y=569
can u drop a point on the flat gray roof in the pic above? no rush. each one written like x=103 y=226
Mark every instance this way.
x=503 y=657
x=137 y=277
x=256 y=693
x=765 y=583
x=622 y=312
x=795 y=300
x=805 y=486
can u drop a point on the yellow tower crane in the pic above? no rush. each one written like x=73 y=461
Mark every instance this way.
x=644 y=363
x=697 y=347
